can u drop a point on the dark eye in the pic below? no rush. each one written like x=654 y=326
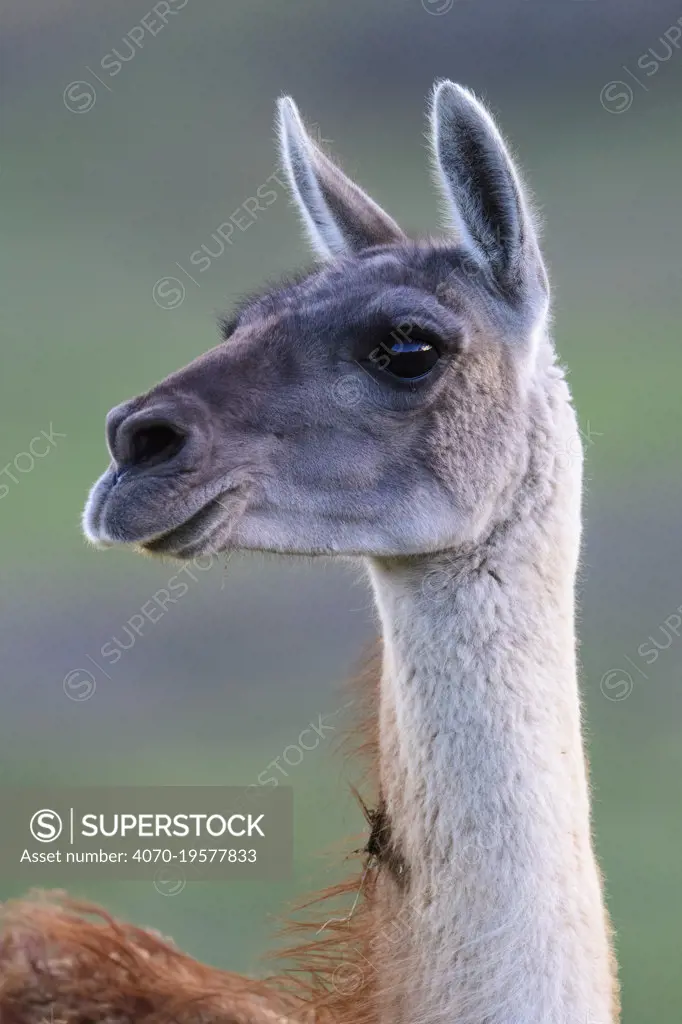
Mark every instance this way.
x=406 y=354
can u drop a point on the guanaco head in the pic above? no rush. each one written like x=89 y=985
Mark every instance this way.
x=379 y=404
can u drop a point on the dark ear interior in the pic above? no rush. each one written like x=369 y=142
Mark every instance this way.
x=480 y=183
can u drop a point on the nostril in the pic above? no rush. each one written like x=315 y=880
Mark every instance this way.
x=154 y=443
x=142 y=438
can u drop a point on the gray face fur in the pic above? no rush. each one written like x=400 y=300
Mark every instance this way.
x=310 y=429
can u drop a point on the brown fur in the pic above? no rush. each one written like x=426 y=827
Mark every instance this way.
x=67 y=961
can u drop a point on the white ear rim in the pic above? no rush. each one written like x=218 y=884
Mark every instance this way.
x=296 y=152
x=338 y=216
x=452 y=205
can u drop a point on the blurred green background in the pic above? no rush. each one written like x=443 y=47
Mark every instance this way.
x=101 y=201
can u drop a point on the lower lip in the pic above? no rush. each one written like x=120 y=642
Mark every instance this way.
x=160 y=545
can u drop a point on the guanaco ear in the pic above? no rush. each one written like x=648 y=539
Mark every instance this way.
x=338 y=216
x=482 y=188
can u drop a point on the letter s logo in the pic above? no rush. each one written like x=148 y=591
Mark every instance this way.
x=46 y=826
x=79 y=97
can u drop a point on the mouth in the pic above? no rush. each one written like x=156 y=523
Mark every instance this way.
x=152 y=517
x=200 y=534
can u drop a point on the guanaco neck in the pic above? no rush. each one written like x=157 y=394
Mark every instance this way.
x=484 y=782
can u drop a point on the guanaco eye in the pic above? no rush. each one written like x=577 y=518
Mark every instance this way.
x=406 y=355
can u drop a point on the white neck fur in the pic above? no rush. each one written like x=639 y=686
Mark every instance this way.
x=483 y=774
